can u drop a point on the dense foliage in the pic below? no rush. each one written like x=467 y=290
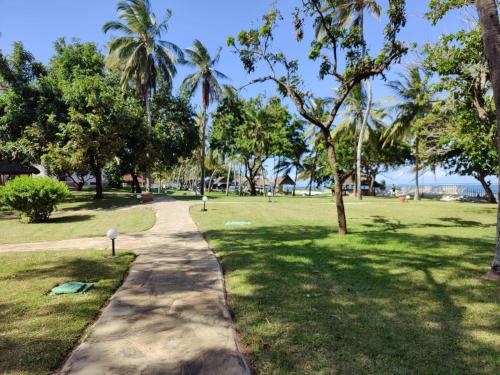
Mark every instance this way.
x=34 y=197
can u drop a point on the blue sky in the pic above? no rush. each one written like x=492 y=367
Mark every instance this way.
x=38 y=23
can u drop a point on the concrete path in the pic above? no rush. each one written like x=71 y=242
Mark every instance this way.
x=132 y=241
x=170 y=315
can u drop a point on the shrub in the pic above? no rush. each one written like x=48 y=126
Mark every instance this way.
x=35 y=198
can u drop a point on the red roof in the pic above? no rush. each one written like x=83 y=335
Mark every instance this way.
x=128 y=178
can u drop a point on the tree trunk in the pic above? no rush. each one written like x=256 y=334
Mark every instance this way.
x=490 y=26
x=211 y=180
x=295 y=182
x=417 y=166
x=362 y=138
x=311 y=182
x=373 y=177
x=159 y=182
x=150 y=124
x=313 y=172
x=136 y=187
x=240 y=182
x=276 y=175
x=339 y=199
x=228 y=178
x=203 y=151
x=263 y=189
x=490 y=197
x=98 y=181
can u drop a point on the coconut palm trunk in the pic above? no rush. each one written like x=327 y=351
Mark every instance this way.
x=362 y=130
x=359 y=150
x=150 y=125
x=228 y=178
x=490 y=26
x=417 y=167
x=203 y=151
x=276 y=175
x=295 y=181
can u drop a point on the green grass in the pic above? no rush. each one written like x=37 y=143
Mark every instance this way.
x=38 y=330
x=401 y=294
x=79 y=216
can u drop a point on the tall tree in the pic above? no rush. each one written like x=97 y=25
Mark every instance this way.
x=30 y=106
x=341 y=59
x=350 y=14
x=94 y=125
x=415 y=95
x=142 y=55
x=490 y=27
x=462 y=131
x=207 y=77
x=250 y=130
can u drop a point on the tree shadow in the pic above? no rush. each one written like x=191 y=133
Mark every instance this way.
x=193 y=198
x=84 y=200
x=39 y=330
x=465 y=223
x=389 y=225
x=358 y=304
x=70 y=219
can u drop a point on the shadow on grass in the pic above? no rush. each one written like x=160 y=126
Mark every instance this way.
x=85 y=200
x=70 y=219
x=39 y=330
x=180 y=196
x=391 y=225
x=374 y=302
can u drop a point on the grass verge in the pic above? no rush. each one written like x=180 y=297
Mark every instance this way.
x=79 y=216
x=38 y=330
x=401 y=294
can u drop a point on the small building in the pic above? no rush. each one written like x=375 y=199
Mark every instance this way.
x=349 y=185
x=13 y=168
x=285 y=183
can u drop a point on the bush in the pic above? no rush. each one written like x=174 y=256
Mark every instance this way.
x=35 y=198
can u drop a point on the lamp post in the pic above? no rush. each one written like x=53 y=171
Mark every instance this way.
x=205 y=200
x=112 y=234
x=269 y=195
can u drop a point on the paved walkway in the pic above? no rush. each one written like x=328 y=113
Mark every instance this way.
x=170 y=315
x=157 y=235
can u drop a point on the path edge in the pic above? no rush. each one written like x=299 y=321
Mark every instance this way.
x=236 y=336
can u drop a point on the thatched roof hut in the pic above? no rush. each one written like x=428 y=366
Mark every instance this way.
x=11 y=168
x=285 y=180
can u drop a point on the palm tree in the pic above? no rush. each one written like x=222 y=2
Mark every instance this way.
x=415 y=104
x=207 y=77
x=293 y=162
x=350 y=14
x=141 y=54
x=359 y=120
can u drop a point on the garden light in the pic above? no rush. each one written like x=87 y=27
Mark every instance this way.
x=112 y=234
x=205 y=200
x=269 y=195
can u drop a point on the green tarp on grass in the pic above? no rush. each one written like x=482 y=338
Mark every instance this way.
x=72 y=287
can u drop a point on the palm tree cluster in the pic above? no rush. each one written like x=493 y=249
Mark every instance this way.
x=145 y=59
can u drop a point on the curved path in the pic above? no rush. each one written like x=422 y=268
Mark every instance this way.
x=170 y=314
x=156 y=235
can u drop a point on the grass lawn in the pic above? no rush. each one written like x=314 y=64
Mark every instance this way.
x=79 y=216
x=401 y=294
x=37 y=330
